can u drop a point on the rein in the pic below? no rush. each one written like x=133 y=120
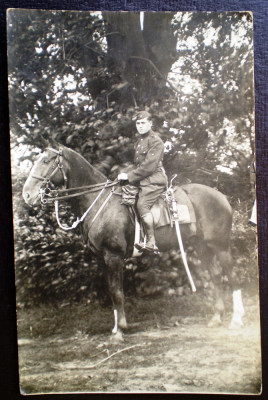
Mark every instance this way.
x=88 y=189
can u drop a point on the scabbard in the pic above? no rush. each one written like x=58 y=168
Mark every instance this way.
x=183 y=255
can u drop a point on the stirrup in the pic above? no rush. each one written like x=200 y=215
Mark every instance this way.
x=147 y=249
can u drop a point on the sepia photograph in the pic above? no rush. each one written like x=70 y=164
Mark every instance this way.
x=132 y=141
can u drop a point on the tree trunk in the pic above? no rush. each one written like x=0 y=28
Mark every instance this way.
x=142 y=57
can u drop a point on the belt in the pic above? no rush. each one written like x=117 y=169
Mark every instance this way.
x=160 y=165
x=161 y=169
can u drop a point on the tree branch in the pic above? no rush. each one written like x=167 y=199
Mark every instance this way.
x=89 y=366
x=112 y=355
x=101 y=36
x=157 y=70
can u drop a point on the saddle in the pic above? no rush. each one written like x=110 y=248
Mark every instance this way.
x=161 y=212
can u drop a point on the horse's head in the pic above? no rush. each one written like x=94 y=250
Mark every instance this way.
x=47 y=172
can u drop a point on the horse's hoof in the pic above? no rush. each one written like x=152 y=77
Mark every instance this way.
x=123 y=326
x=117 y=337
x=235 y=325
x=215 y=322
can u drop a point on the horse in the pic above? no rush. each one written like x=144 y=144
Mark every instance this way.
x=108 y=229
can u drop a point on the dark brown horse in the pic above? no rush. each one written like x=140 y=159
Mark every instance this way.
x=108 y=230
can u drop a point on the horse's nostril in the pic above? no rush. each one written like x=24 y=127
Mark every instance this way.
x=27 y=195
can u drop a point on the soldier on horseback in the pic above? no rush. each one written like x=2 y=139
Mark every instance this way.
x=148 y=174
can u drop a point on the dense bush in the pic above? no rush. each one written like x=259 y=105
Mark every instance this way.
x=80 y=79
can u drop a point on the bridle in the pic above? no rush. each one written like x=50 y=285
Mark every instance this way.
x=47 y=186
x=48 y=194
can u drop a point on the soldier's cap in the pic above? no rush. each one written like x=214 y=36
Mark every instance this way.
x=141 y=115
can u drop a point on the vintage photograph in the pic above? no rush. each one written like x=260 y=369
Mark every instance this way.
x=133 y=172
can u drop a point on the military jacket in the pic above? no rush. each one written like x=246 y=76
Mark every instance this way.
x=149 y=152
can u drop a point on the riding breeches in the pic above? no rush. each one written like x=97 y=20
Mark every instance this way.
x=147 y=197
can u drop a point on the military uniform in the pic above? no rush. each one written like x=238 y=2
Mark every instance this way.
x=149 y=173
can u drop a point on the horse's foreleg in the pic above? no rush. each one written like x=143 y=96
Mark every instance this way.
x=115 y=264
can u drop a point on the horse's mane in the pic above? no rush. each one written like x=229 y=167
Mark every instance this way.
x=91 y=167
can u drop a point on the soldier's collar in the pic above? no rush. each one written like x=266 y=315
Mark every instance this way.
x=145 y=135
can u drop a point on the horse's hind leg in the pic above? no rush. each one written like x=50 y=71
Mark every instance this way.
x=219 y=307
x=115 y=265
x=225 y=259
x=206 y=254
x=238 y=310
x=238 y=307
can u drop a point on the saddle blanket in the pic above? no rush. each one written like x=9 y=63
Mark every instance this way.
x=186 y=213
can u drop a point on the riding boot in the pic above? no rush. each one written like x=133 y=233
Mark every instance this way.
x=149 y=228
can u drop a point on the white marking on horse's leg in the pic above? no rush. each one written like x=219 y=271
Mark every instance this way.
x=238 y=310
x=115 y=322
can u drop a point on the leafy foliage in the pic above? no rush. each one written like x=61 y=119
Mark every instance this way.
x=80 y=77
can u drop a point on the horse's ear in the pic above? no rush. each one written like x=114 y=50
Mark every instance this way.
x=43 y=141
x=49 y=142
x=53 y=143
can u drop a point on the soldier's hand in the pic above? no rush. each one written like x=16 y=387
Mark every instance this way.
x=122 y=176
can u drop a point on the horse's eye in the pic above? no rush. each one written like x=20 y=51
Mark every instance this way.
x=45 y=160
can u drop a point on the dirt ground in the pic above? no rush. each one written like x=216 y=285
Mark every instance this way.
x=167 y=348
